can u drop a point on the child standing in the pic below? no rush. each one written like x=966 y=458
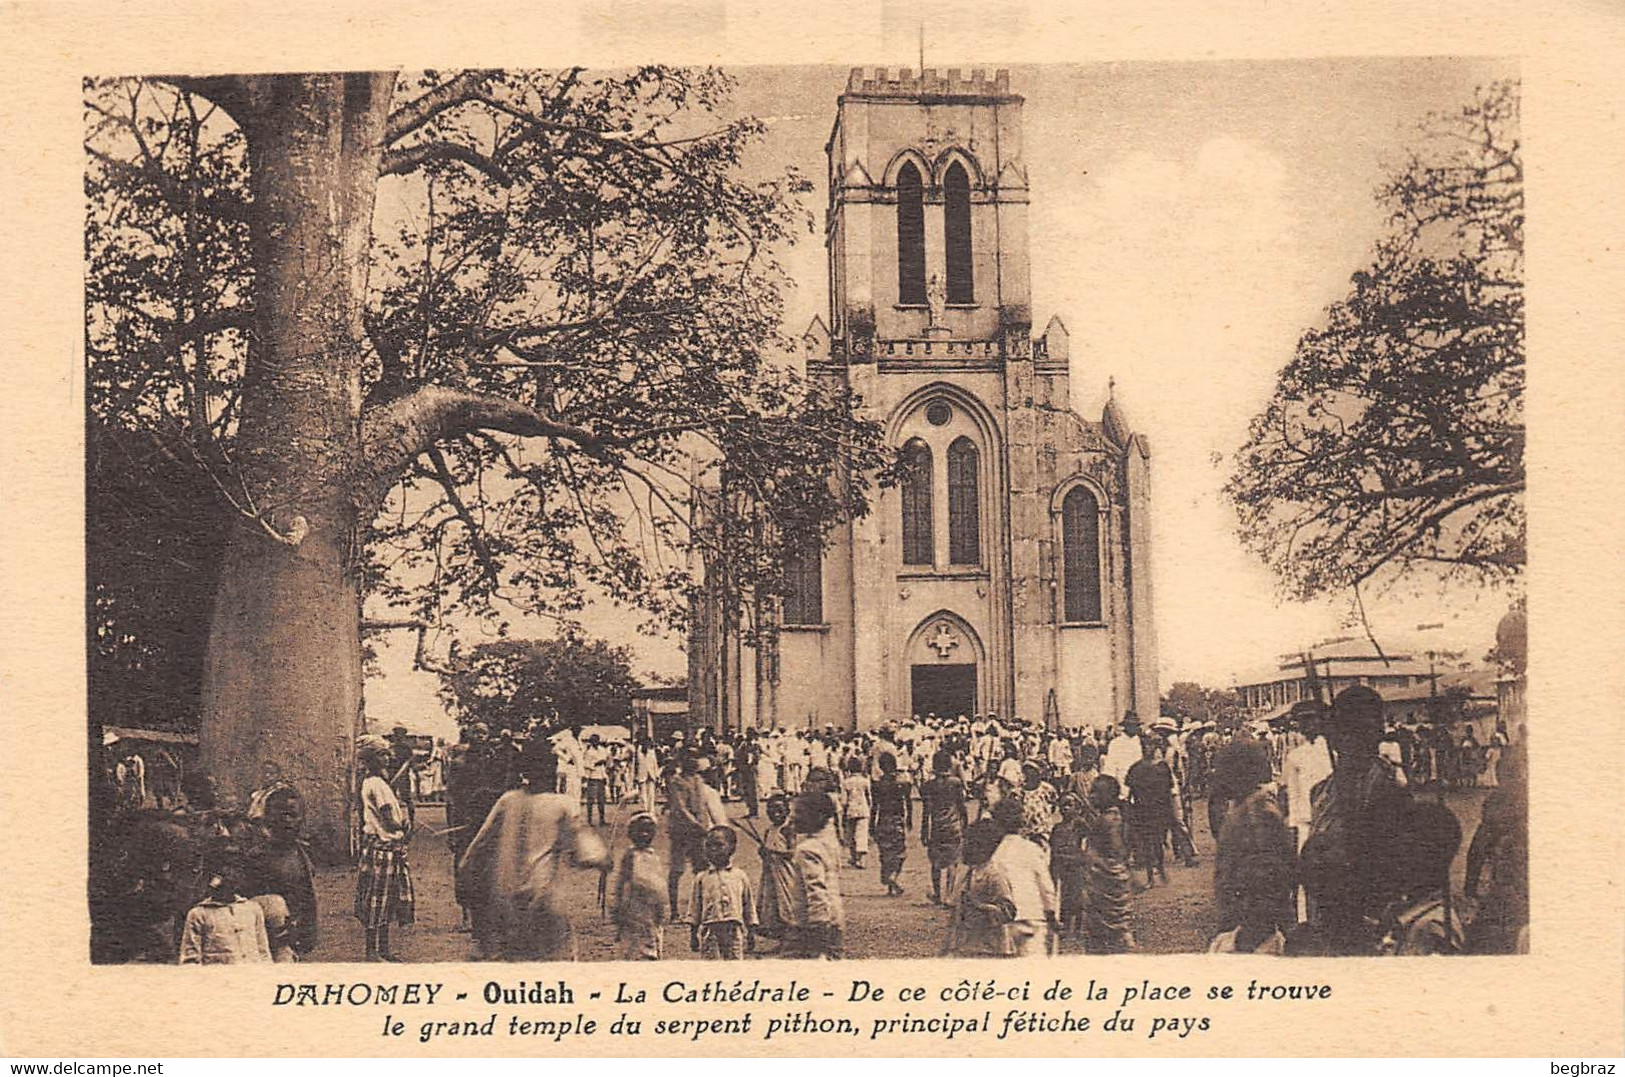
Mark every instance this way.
x=856 y=805
x=224 y=928
x=820 y=909
x=722 y=906
x=383 y=893
x=640 y=893
x=777 y=906
x=1067 y=865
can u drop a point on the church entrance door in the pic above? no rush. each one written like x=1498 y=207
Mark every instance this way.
x=946 y=690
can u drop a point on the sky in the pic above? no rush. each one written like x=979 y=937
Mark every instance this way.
x=1188 y=222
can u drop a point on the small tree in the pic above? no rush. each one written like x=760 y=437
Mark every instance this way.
x=510 y=683
x=1395 y=436
x=1191 y=702
x=1186 y=701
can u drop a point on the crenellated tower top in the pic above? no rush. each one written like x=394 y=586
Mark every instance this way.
x=905 y=82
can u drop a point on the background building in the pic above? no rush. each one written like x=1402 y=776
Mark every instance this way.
x=1010 y=569
x=1405 y=678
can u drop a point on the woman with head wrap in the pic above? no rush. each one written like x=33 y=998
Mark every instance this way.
x=383 y=894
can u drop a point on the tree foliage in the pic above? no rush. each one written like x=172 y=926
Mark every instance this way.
x=1394 y=438
x=153 y=539
x=1191 y=702
x=572 y=315
x=507 y=684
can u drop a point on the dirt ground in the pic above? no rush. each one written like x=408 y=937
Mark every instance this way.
x=1172 y=918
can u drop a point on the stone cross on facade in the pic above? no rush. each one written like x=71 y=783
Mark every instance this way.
x=944 y=642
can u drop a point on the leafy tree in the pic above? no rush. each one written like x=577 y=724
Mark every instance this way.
x=509 y=683
x=1394 y=439
x=448 y=341
x=153 y=538
x=1191 y=702
x=1185 y=700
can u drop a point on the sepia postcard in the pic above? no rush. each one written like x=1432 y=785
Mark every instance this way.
x=1028 y=530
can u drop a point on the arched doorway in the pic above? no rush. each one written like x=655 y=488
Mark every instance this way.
x=945 y=667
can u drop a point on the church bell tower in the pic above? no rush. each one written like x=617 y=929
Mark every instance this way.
x=927 y=219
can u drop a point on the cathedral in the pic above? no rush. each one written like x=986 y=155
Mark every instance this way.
x=1009 y=570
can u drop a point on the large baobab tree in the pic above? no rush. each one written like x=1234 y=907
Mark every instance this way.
x=442 y=339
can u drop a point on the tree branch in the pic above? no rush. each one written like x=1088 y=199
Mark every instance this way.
x=413 y=115
x=203 y=325
x=400 y=161
x=476 y=538
x=396 y=431
x=230 y=92
x=420 y=659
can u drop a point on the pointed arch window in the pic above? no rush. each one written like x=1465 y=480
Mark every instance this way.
x=1080 y=554
x=964 y=505
x=961 y=285
x=910 y=236
x=804 y=586
x=915 y=466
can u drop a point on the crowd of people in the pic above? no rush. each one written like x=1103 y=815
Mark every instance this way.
x=204 y=880
x=1036 y=840
x=1332 y=841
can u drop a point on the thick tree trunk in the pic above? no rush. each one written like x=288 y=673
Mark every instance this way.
x=282 y=688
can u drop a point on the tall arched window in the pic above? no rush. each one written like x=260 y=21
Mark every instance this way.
x=1080 y=553
x=804 y=587
x=915 y=465
x=910 y=236
x=964 y=514
x=956 y=234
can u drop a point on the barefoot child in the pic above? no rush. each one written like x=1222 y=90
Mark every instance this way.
x=777 y=905
x=722 y=905
x=640 y=893
x=820 y=909
x=1067 y=865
